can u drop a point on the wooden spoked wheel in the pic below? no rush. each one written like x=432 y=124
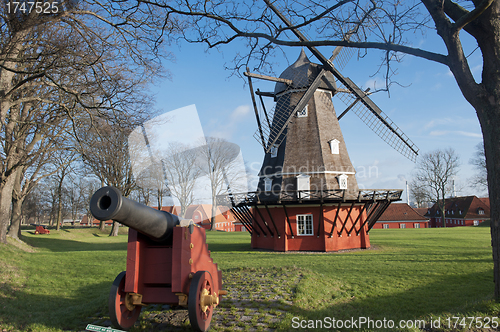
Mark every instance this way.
x=121 y=316
x=201 y=301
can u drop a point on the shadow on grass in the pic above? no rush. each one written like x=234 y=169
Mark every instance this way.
x=452 y=295
x=64 y=245
x=40 y=312
x=228 y=247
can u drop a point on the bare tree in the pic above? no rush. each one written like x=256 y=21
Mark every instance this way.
x=435 y=171
x=105 y=152
x=480 y=180
x=218 y=161
x=419 y=193
x=92 y=184
x=83 y=59
x=63 y=162
x=180 y=163
x=151 y=181
x=37 y=205
x=27 y=178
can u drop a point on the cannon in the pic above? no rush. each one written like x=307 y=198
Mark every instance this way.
x=40 y=229
x=168 y=262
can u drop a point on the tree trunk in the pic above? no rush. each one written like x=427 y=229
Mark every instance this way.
x=114 y=230
x=15 y=226
x=17 y=203
x=102 y=225
x=59 y=208
x=212 y=219
x=5 y=204
x=443 y=211
x=160 y=199
x=183 y=211
x=490 y=124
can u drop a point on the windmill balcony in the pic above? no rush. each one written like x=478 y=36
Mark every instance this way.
x=309 y=196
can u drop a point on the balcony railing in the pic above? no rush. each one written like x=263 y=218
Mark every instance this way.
x=308 y=196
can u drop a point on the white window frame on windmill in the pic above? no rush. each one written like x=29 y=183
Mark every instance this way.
x=274 y=151
x=305 y=224
x=334 y=146
x=268 y=184
x=342 y=178
x=303 y=182
x=303 y=113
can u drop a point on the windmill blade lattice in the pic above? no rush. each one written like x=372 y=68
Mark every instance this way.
x=280 y=114
x=343 y=57
x=380 y=123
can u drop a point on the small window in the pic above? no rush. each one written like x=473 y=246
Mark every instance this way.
x=303 y=113
x=480 y=211
x=385 y=226
x=334 y=146
x=342 y=181
x=402 y=226
x=268 y=184
x=305 y=224
x=274 y=151
x=476 y=222
x=417 y=225
x=303 y=182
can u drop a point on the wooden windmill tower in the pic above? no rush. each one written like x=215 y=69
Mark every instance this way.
x=307 y=196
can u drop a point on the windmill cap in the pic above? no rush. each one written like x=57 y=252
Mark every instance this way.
x=302 y=72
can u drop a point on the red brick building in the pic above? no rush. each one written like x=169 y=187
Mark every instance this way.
x=200 y=214
x=401 y=215
x=170 y=209
x=93 y=222
x=461 y=211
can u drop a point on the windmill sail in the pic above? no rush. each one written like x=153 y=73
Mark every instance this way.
x=379 y=122
x=370 y=113
x=282 y=114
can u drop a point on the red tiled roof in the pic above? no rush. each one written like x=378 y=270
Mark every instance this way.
x=205 y=210
x=467 y=207
x=170 y=209
x=421 y=211
x=400 y=211
x=485 y=200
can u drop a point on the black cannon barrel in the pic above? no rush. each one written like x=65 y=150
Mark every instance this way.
x=108 y=203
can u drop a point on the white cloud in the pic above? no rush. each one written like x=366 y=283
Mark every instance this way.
x=469 y=134
x=455 y=122
x=374 y=83
x=455 y=132
x=239 y=113
x=226 y=129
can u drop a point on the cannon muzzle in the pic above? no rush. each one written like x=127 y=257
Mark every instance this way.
x=108 y=203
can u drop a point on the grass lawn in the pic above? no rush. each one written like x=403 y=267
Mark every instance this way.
x=408 y=274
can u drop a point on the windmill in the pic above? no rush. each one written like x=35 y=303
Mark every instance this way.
x=307 y=188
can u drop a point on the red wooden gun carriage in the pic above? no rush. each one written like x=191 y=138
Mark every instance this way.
x=40 y=229
x=166 y=263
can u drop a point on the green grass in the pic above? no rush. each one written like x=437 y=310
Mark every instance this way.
x=64 y=281
x=410 y=274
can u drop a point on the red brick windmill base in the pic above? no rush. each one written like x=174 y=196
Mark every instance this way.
x=323 y=222
x=322 y=238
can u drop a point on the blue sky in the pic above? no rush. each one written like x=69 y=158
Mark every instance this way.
x=430 y=109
